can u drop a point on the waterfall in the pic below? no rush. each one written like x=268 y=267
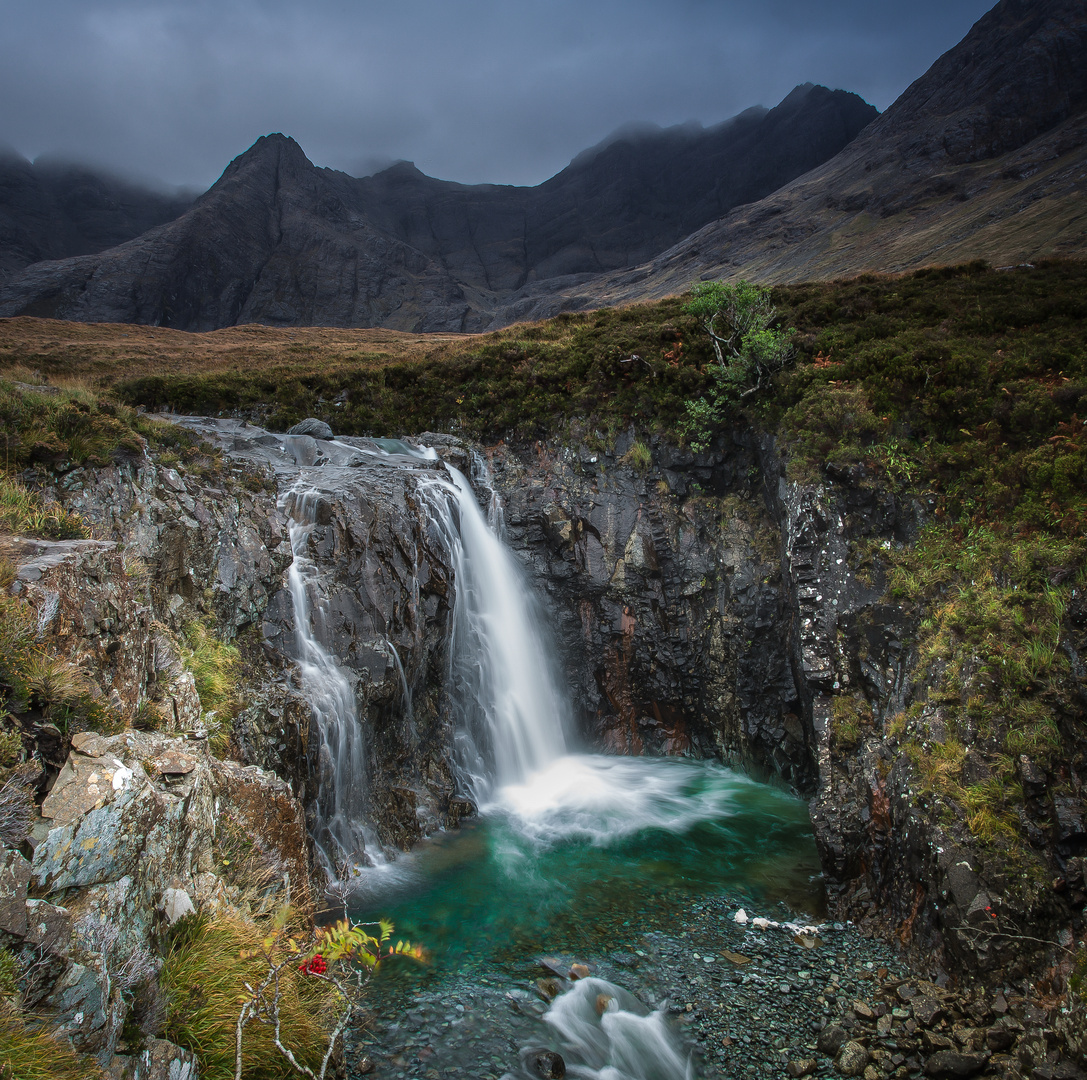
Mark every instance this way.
x=509 y=713
x=340 y=834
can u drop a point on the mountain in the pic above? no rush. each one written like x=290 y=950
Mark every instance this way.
x=984 y=156
x=278 y=241
x=53 y=210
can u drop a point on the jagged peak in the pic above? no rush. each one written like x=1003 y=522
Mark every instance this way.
x=401 y=170
x=799 y=94
x=274 y=151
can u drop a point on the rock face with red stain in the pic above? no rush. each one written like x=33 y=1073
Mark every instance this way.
x=673 y=614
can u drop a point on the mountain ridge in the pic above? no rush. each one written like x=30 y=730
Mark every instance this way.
x=278 y=241
x=984 y=156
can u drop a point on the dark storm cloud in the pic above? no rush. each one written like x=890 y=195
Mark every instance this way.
x=504 y=91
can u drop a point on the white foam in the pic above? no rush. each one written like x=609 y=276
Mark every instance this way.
x=599 y=799
x=621 y=1041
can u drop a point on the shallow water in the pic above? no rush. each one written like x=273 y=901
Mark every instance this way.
x=588 y=851
x=582 y=861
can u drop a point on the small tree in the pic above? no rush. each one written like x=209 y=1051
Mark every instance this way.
x=739 y=319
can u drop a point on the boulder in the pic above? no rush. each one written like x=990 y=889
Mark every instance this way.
x=831 y=1039
x=176 y=904
x=953 y=1063
x=316 y=429
x=852 y=1059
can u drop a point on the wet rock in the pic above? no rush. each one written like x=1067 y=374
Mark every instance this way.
x=852 y=1059
x=801 y=1067
x=549 y=989
x=831 y=1039
x=546 y=1064
x=579 y=971
x=313 y=427
x=954 y=1063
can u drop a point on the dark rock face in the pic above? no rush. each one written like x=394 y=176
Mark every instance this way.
x=54 y=211
x=380 y=604
x=996 y=126
x=277 y=241
x=218 y=551
x=711 y=606
x=672 y=614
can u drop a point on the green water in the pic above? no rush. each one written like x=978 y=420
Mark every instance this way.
x=590 y=854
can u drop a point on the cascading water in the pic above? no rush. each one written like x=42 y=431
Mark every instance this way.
x=341 y=836
x=561 y=837
x=509 y=715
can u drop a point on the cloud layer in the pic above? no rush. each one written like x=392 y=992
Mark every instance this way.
x=474 y=90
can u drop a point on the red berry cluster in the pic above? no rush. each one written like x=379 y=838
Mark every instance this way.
x=314 y=966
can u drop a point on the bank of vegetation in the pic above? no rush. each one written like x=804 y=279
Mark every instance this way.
x=961 y=390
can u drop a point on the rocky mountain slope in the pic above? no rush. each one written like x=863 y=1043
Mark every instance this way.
x=57 y=211
x=278 y=241
x=984 y=156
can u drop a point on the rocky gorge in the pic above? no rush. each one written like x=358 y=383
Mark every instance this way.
x=706 y=605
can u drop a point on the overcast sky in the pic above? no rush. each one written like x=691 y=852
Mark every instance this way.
x=500 y=91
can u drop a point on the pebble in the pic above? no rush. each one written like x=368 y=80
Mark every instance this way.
x=716 y=975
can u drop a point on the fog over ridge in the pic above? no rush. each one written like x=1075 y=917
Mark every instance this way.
x=478 y=92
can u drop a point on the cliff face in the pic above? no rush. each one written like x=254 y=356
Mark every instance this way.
x=670 y=606
x=702 y=604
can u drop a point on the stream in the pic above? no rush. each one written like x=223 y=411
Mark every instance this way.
x=594 y=860
x=640 y=871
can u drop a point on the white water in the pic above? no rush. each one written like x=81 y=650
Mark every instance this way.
x=341 y=837
x=606 y=1033
x=509 y=714
x=598 y=800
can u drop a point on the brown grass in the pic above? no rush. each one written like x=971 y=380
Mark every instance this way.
x=98 y=354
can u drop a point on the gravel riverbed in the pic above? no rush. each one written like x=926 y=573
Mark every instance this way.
x=744 y=1000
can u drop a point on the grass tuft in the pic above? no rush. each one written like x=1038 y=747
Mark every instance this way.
x=214 y=664
x=204 y=974
x=30 y=1052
